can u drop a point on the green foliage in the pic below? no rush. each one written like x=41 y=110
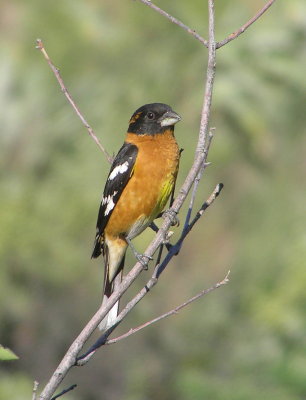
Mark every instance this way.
x=7 y=354
x=245 y=340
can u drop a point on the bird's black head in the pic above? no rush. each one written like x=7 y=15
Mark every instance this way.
x=152 y=119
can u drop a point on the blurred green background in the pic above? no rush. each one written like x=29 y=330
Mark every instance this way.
x=244 y=341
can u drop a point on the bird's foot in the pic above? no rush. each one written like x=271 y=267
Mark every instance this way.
x=142 y=258
x=173 y=216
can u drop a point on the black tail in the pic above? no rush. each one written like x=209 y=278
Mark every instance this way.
x=97 y=250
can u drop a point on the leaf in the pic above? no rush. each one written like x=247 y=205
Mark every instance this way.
x=7 y=354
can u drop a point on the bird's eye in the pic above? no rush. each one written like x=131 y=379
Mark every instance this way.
x=150 y=115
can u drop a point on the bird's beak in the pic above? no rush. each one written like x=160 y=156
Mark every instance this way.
x=169 y=118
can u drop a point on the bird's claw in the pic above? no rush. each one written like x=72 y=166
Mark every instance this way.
x=143 y=259
x=173 y=216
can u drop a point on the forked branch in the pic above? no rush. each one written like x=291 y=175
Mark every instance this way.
x=192 y=32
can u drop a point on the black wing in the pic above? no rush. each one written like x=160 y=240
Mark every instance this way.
x=119 y=175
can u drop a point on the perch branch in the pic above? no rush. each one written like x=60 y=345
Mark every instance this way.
x=40 y=46
x=241 y=30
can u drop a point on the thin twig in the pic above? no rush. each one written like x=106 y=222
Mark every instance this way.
x=251 y=21
x=171 y=312
x=35 y=387
x=176 y=21
x=64 y=391
x=205 y=205
x=40 y=46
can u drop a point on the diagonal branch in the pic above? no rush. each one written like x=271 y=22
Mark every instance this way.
x=241 y=30
x=176 y=21
x=40 y=46
x=171 y=312
x=205 y=205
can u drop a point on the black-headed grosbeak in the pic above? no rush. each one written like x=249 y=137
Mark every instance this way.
x=139 y=184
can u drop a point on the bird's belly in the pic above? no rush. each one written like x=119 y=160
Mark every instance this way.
x=137 y=208
x=147 y=191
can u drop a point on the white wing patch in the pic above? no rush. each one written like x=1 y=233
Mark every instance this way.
x=120 y=169
x=110 y=202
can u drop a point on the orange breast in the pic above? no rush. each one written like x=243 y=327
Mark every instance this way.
x=155 y=168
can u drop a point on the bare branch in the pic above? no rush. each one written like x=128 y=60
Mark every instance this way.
x=40 y=46
x=234 y=35
x=175 y=21
x=205 y=205
x=171 y=312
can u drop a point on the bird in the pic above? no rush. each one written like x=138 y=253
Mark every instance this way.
x=140 y=181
